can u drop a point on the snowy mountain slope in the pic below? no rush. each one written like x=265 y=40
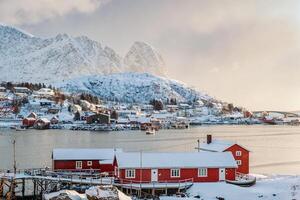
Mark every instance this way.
x=27 y=58
x=144 y=58
x=132 y=87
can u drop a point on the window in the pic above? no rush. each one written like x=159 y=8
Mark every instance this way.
x=78 y=164
x=130 y=173
x=238 y=162
x=202 y=172
x=89 y=163
x=175 y=172
x=238 y=153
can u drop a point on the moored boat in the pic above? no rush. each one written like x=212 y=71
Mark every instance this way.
x=150 y=131
x=243 y=180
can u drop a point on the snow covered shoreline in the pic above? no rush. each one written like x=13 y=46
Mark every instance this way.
x=273 y=187
x=267 y=188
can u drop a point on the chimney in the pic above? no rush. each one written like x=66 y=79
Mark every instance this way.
x=208 y=139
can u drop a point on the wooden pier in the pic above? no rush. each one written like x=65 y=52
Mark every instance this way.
x=34 y=183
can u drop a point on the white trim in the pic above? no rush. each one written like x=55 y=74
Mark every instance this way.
x=239 y=162
x=176 y=172
x=238 y=153
x=202 y=172
x=89 y=163
x=129 y=173
x=78 y=165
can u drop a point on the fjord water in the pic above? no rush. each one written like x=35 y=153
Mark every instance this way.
x=274 y=149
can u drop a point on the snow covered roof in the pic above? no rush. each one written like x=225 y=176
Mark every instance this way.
x=106 y=155
x=217 y=145
x=176 y=160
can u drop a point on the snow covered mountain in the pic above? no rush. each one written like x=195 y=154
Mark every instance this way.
x=79 y=64
x=132 y=87
x=144 y=58
x=26 y=58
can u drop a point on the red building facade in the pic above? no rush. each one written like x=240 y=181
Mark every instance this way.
x=84 y=159
x=175 y=167
x=240 y=154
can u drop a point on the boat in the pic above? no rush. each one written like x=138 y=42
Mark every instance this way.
x=243 y=180
x=21 y=128
x=150 y=131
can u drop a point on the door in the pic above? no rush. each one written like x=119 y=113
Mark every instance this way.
x=222 y=174
x=154 y=175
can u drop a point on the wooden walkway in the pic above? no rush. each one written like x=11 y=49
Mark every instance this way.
x=43 y=181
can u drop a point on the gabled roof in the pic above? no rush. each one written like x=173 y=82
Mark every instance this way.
x=176 y=160
x=218 y=145
x=106 y=155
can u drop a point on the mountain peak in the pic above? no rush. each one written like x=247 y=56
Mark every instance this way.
x=11 y=30
x=142 y=57
x=65 y=57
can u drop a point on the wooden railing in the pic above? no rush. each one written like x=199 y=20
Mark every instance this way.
x=125 y=181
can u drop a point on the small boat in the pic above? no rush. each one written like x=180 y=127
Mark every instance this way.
x=243 y=180
x=21 y=128
x=150 y=131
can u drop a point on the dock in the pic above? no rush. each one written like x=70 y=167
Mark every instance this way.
x=34 y=183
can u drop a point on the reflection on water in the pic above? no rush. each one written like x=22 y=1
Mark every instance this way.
x=274 y=149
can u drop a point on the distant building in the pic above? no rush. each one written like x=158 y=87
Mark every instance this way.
x=42 y=123
x=22 y=90
x=99 y=118
x=28 y=121
x=2 y=89
x=45 y=92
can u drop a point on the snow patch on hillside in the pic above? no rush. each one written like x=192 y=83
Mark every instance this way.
x=132 y=87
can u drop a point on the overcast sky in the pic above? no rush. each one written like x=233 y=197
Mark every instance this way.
x=245 y=52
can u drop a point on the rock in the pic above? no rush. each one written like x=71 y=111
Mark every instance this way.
x=65 y=195
x=105 y=193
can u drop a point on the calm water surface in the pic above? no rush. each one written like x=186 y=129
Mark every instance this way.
x=274 y=149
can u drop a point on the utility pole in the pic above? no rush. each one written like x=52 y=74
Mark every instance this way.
x=14 y=152
x=198 y=146
x=141 y=171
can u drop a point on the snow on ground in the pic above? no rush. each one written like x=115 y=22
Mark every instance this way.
x=272 y=188
x=63 y=193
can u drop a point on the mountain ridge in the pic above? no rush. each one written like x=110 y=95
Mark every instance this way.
x=65 y=57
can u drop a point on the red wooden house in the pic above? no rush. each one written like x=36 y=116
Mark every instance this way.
x=240 y=153
x=84 y=159
x=174 y=167
x=28 y=122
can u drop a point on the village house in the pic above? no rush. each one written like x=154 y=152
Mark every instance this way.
x=28 y=121
x=22 y=90
x=44 y=92
x=174 y=167
x=240 y=153
x=53 y=110
x=99 y=118
x=2 y=89
x=147 y=108
x=172 y=108
x=84 y=159
x=42 y=123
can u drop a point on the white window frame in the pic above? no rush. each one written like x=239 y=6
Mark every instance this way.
x=239 y=162
x=129 y=173
x=89 y=163
x=78 y=164
x=202 y=172
x=238 y=153
x=175 y=173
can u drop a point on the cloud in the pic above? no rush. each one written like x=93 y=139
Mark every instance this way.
x=20 y=12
